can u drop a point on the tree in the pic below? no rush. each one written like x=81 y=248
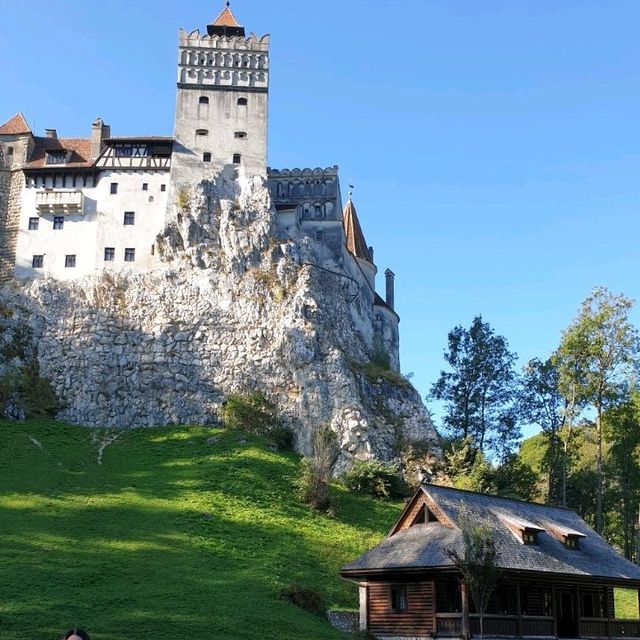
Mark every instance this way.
x=596 y=358
x=477 y=564
x=480 y=389
x=540 y=402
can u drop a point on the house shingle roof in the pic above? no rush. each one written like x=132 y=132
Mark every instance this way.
x=15 y=126
x=80 y=152
x=356 y=243
x=425 y=545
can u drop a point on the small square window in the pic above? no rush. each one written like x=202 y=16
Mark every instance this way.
x=70 y=261
x=163 y=187
x=242 y=102
x=145 y=186
x=129 y=218
x=37 y=262
x=530 y=537
x=237 y=158
x=129 y=255
x=34 y=223
x=9 y=151
x=398 y=598
x=114 y=188
x=109 y=254
x=206 y=157
x=58 y=222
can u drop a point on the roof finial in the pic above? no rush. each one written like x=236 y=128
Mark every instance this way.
x=228 y=4
x=350 y=191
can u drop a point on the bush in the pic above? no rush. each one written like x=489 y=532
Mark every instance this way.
x=373 y=478
x=282 y=437
x=315 y=472
x=250 y=412
x=306 y=598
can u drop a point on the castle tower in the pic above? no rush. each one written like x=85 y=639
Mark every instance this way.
x=221 y=110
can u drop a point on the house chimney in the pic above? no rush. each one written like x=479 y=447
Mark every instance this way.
x=51 y=133
x=390 y=281
x=99 y=132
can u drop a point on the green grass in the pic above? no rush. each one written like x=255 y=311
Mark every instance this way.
x=626 y=604
x=170 y=537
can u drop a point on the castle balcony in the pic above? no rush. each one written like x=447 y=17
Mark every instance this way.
x=62 y=202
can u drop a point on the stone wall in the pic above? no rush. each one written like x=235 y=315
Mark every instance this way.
x=11 y=183
x=230 y=310
x=344 y=620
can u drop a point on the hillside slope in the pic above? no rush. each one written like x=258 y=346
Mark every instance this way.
x=180 y=532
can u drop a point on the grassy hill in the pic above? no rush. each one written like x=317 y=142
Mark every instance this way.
x=173 y=535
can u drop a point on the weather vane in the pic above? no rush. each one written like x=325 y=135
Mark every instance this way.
x=350 y=191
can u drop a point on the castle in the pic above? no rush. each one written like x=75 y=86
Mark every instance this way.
x=73 y=207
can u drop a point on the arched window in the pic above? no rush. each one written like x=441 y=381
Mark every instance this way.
x=9 y=151
x=206 y=157
x=242 y=102
x=237 y=158
x=203 y=100
x=240 y=135
x=202 y=132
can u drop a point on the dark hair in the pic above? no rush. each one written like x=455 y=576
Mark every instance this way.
x=76 y=632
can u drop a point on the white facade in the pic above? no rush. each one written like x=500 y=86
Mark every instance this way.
x=99 y=225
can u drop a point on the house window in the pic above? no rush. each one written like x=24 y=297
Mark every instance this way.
x=398 y=598
x=163 y=187
x=58 y=222
x=129 y=255
x=571 y=542
x=145 y=186
x=237 y=158
x=202 y=132
x=529 y=536
x=56 y=157
x=203 y=100
x=240 y=135
x=593 y=605
x=70 y=261
x=206 y=157
x=242 y=102
x=37 y=262
x=129 y=218
x=114 y=188
x=34 y=223
x=109 y=254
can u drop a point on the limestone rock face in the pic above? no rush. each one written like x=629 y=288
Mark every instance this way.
x=229 y=309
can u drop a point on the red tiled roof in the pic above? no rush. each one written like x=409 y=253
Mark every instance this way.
x=356 y=243
x=80 y=152
x=15 y=126
x=226 y=19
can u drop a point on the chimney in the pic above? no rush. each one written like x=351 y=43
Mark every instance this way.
x=371 y=254
x=99 y=132
x=51 y=133
x=390 y=281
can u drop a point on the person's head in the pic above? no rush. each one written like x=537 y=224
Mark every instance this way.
x=76 y=634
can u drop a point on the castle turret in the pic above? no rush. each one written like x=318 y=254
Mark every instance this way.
x=221 y=111
x=390 y=278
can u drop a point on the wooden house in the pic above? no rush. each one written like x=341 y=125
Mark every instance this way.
x=558 y=578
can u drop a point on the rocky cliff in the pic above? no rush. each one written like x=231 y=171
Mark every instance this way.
x=231 y=308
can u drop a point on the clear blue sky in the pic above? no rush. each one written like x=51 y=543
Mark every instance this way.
x=494 y=145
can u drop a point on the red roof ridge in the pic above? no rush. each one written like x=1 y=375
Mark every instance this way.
x=356 y=243
x=226 y=19
x=15 y=125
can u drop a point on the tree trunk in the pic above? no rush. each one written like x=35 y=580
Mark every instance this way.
x=599 y=470
x=481 y=626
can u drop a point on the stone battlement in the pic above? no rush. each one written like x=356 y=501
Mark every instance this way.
x=195 y=39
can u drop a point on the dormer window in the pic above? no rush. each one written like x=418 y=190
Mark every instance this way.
x=56 y=157
x=529 y=536
x=524 y=530
x=572 y=542
x=568 y=536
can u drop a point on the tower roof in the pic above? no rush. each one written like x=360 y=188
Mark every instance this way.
x=225 y=24
x=15 y=126
x=356 y=243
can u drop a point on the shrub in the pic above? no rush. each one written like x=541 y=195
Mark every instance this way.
x=373 y=478
x=282 y=437
x=250 y=412
x=306 y=598
x=315 y=472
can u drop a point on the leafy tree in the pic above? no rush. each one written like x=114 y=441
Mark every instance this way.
x=596 y=358
x=480 y=390
x=477 y=564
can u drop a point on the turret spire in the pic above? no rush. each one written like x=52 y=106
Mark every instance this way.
x=226 y=24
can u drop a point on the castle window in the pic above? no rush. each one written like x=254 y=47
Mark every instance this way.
x=398 y=598
x=202 y=132
x=240 y=134
x=203 y=100
x=109 y=254
x=129 y=255
x=206 y=157
x=114 y=188
x=320 y=235
x=145 y=186
x=242 y=102
x=9 y=151
x=129 y=218
x=163 y=187
x=70 y=261
x=37 y=262
x=58 y=222
x=237 y=158
x=56 y=157
x=34 y=223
